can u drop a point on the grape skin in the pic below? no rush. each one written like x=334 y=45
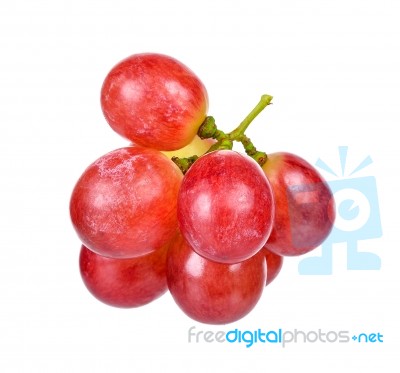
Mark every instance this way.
x=124 y=204
x=225 y=207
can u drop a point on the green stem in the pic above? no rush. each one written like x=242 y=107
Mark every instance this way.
x=251 y=151
x=208 y=129
x=240 y=130
x=184 y=163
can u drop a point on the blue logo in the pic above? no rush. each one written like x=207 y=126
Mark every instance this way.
x=357 y=219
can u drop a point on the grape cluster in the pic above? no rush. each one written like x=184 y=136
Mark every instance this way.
x=177 y=209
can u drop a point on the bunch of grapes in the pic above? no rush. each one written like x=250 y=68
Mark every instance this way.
x=179 y=210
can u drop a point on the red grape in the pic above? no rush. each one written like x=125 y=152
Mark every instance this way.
x=305 y=208
x=211 y=292
x=124 y=282
x=154 y=100
x=274 y=264
x=124 y=204
x=225 y=206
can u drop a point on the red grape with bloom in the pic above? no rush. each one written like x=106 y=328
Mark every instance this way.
x=211 y=292
x=274 y=264
x=154 y=101
x=305 y=207
x=125 y=204
x=225 y=207
x=124 y=283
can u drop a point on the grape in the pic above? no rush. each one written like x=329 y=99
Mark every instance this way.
x=274 y=264
x=305 y=208
x=124 y=282
x=211 y=292
x=154 y=101
x=225 y=207
x=124 y=204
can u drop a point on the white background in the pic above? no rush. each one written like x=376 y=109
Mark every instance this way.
x=333 y=69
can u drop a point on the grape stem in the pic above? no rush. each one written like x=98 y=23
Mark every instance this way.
x=208 y=129
x=242 y=127
x=184 y=163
